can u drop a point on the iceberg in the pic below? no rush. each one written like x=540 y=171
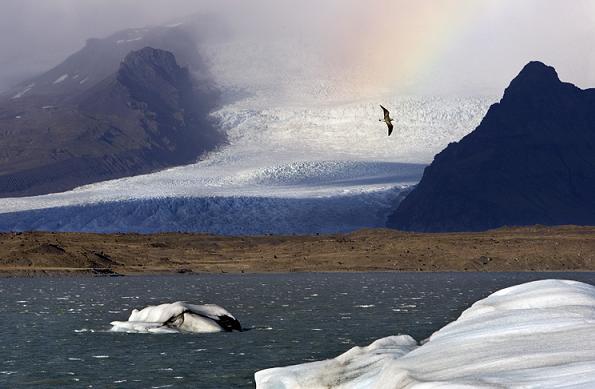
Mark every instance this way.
x=178 y=317
x=535 y=335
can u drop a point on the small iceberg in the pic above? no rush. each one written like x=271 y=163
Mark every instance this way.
x=535 y=335
x=178 y=317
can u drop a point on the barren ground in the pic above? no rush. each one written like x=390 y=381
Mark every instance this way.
x=566 y=248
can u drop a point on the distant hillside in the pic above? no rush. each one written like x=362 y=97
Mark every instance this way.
x=100 y=58
x=530 y=161
x=115 y=108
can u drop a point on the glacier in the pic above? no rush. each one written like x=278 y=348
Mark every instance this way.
x=290 y=168
x=535 y=335
x=305 y=153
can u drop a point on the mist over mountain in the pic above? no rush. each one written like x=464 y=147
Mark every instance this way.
x=530 y=161
x=99 y=58
x=118 y=107
x=406 y=47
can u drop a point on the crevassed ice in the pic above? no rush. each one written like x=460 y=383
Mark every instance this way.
x=309 y=168
x=535 y=335
x=297 y=152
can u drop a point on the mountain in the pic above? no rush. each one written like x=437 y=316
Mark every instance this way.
x=145 y=116
x=530 y=161
x=100 y=58
x=134 y=102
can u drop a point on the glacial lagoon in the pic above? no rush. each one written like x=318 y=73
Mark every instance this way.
x=56 y=329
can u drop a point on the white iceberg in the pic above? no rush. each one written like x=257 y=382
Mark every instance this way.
x=178 y=317
x=535 y=335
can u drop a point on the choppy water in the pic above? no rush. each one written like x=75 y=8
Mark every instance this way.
x=54 y=330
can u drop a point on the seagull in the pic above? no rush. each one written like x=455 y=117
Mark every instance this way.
x=387 y=119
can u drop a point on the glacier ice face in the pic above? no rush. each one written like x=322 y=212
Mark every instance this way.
x=226 y=215
x=178 y=317
x=534 y=335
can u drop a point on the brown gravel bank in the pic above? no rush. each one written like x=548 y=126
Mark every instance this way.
x=567 y=248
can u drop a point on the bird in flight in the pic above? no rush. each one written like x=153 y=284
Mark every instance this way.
x=387 y=119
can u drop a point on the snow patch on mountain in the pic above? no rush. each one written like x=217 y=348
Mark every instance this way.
x=60 y=79
x=23 y=92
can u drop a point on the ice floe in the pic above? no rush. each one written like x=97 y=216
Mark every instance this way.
x=178 y=317
x=535 y=335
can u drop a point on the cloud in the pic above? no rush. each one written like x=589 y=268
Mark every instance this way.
x=434 y=46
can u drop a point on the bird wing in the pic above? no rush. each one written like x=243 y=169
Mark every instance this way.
x=390 y=128
x=386 y=113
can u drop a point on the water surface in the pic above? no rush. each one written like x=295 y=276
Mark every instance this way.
x=55 y=330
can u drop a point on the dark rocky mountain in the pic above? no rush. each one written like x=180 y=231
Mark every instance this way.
x=146 y=115
x=530 y=161
x=100 y=58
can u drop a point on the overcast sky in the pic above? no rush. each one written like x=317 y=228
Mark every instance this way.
x=436 y=45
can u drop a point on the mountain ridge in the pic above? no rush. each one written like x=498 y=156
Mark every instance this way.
x=101 y=57
x=530 y=161
x=145 y=116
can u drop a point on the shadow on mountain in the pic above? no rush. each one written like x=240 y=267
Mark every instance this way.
x=121 y=106
x=530 y=161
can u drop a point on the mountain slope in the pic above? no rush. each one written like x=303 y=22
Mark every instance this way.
x=145 y=116
x=100 y=58
x=530 y=161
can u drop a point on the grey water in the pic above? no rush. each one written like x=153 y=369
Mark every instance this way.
x=55 y=331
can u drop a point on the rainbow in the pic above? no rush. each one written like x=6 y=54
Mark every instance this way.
x=397 y=41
